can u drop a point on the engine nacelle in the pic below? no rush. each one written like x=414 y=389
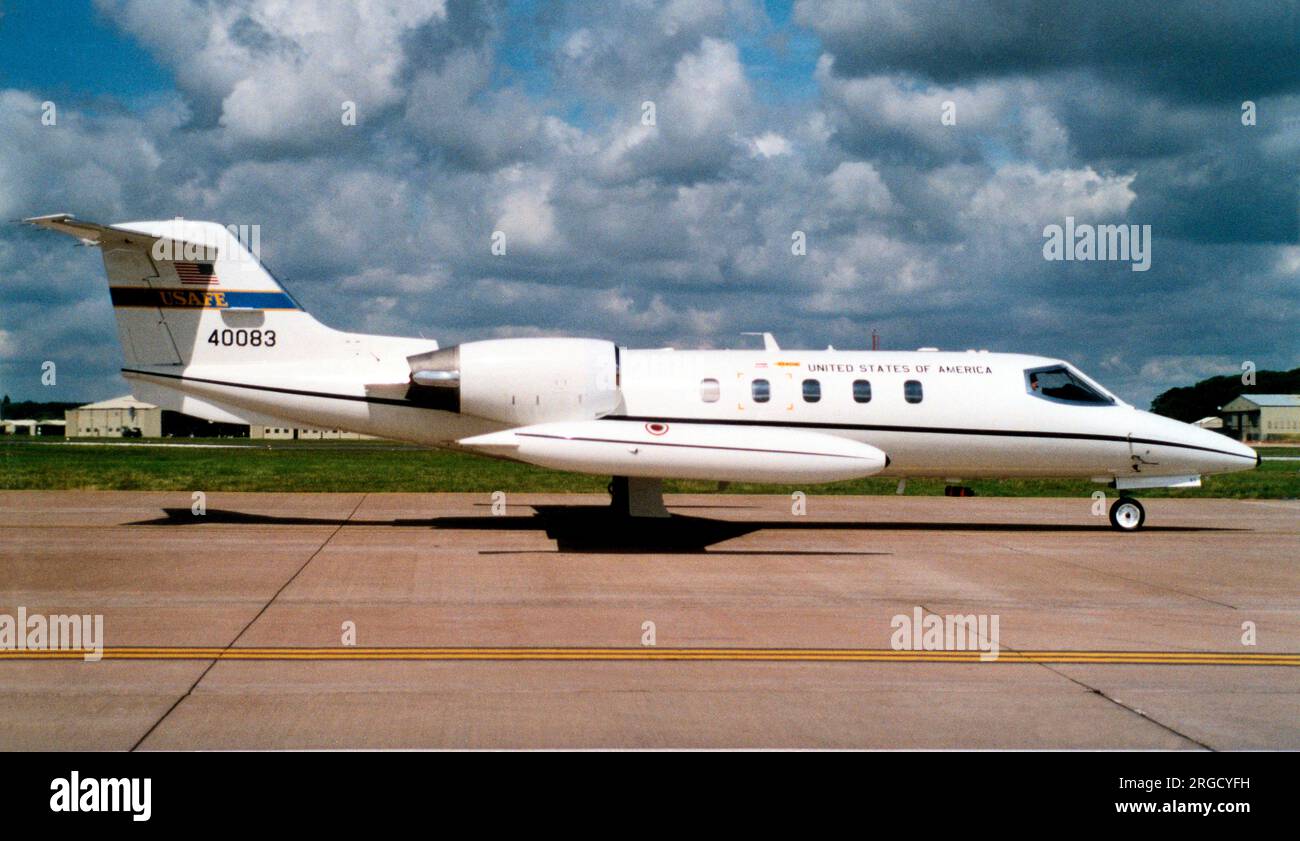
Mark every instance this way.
x=520 y=381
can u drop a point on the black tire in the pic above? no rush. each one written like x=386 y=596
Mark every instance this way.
x=1127 y=514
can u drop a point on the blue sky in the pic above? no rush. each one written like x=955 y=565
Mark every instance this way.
x=69 y=48
x=772 y=118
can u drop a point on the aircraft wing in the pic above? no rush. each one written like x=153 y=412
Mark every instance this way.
x=698 y=450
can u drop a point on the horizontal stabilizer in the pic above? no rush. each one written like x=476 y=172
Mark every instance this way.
x=93 y=233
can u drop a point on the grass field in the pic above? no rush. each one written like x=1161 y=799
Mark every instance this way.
x=374 y=466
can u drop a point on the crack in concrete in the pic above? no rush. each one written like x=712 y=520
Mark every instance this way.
x=1095 y=691
x=250 y=623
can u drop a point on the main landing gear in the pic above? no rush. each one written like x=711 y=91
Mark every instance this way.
x=1127 y=514
x=636 y=497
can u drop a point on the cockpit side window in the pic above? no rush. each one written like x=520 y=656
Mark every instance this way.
x=1059 y=383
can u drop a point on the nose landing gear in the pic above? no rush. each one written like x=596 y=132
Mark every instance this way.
x=1127 y=514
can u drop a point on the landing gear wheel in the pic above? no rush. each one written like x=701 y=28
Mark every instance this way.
x=1127 y=514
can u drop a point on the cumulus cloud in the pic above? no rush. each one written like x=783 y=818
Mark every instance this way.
x=769 y=145
x=524 y=211
x=697 y=120
x=1189 y=48
x=481 y=117
x=279 y=72
x=856 y=185
x=626 y=51
x=1023 y=194
x=45 y=162
x=452 y=108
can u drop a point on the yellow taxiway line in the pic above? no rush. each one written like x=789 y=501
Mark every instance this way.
x=798 y=655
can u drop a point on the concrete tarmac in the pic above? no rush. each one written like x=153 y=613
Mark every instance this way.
x=261 y=573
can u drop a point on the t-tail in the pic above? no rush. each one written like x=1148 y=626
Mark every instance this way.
x=191 y=293
x=194 y=304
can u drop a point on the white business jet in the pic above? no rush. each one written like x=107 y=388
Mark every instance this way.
x=206 y=330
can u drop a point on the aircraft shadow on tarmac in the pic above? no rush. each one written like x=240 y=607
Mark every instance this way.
x=593 y=528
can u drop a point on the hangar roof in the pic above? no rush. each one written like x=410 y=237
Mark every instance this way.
x=126 y=401
x=1273 y=399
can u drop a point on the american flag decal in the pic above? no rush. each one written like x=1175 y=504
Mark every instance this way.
x=196 y=274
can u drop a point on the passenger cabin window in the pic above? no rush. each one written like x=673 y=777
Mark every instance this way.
x=762 y=391
x=861 y=391
x=812 y=391
x=1059 y=383
x=912 y=391
x=710 y=391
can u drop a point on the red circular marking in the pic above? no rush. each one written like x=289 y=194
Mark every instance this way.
x=656 y=428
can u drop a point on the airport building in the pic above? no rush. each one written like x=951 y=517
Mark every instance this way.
x=1262 y=417
x=126 y=417
x=304 y=433
x=31 y=427
x=120 y=417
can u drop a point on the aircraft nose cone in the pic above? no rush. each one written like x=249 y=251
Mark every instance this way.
x=1193 y=449
x=1235 y=455
x=1237 y=448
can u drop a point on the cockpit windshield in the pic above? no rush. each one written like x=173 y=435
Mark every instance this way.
x=1057 y=382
